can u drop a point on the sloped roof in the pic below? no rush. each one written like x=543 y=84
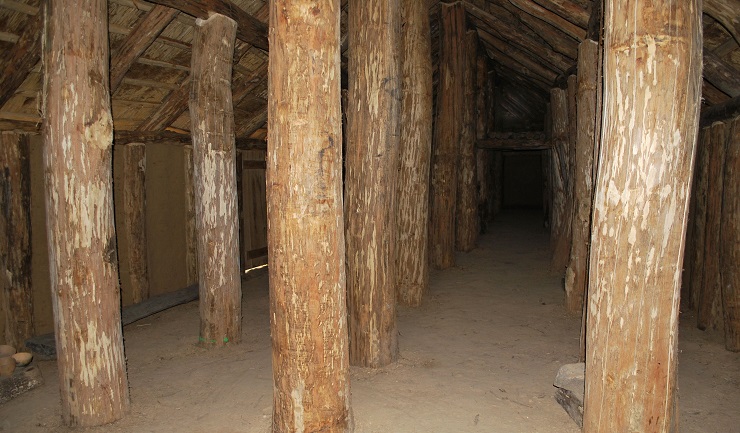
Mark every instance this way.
x=531 y=43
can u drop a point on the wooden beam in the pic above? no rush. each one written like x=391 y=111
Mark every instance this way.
x=249 y=29
x=125 y=137
x=641 y=202
x=172 y=107
x=371 y=178
x=134 y=219
x=535 y=10
x=21 y=58
x=415 y=145
x=555 y=37
x=137 y=41
x=730 y=229
x=720 y=112
x=720 y=74
x=560 y=174
x=310 y=349
x=78 y=134
x=570 y=11
x=699 y=197
x=448 y=126
x=725 y=11
x=545 y=72
x=513 y=144
x=16 y=298
x=214 y=176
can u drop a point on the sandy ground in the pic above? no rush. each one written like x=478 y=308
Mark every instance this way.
x=479 y=355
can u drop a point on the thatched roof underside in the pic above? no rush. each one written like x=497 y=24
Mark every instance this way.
x=531 y=44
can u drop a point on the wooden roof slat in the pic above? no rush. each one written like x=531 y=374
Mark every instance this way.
x=549 y=17
x=9 y=37
x=720 y=74
x=17 y=6
x=726 y=12
x=137 y=41
x=20 y=59
x=519 y=56
x=568 y=10
x=172 y=107
x=249 y=29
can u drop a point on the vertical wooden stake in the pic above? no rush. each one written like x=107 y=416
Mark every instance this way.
x=708 y=315
x=483 y=157
x=78 y=136
x=559 y=178
x=370 y=180
x=412 y=263
x=191 y=229
x=577 y=272
x=640 y=208
x=310 y=354
x=447 y=130
x=699 y=196
x=467 y=224
x=134 y=224
x=16 y=298
x=212 y=117
x=730 y=239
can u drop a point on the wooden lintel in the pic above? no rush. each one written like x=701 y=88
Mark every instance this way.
x=137 y=41
x=249 y=29
x=20 y=59
x=125 y=137
x=514 y=143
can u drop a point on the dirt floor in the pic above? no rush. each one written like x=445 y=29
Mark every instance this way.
x=479 y=355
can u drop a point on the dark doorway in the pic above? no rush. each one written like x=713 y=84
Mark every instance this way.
x=522 y=183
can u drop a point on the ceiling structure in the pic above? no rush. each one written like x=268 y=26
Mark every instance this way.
x=532 y=45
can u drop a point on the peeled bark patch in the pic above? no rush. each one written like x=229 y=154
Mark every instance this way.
x=310 y=350
x=78 y=133
x=652 y=90
x=214 y=174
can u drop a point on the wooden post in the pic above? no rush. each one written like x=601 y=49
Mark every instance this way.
x=498 y=182
x=730 y=239
x=447 y=130
x=558 y=177
x=191 y=229
x=370 y=180
x=78 y=137
x=467 y=225
x=564 y=155
x=16 y=298
x=710 y=297
x=483 y=157
x=699 y=196
x=412 y=263
x=577 y=272
x=639 y=219
x=214 y=176
x=310 y=351
x=134 y=220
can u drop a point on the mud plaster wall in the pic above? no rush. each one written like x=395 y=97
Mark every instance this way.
x=165 y=219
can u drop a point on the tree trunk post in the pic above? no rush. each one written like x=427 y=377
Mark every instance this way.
x=16 y=298
x=483 y=157
x=78 y=136
x=699 y=197
x=639 y=218
x=310 y=350
x=559 y=177
x=412 y=263
x=730 y=239
x=371 y=179
x=577 y=272
x=134 y=220
x=191 y=229
x=467 y=225
x=710 y=298
x=214 y=175
x=447 y=134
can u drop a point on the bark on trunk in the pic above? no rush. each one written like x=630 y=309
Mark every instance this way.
x=371 y=178
x=78 y=135
x=214 y=175
x=447 y=131
x=708 y=315
x=577 y=273
x=412 y=262
x=730 y=240
x=639 y=219
x=699 y=192
x=467 y=227
x=134 y=221
x=559 y=179
x=310 y=350
x=16 y=298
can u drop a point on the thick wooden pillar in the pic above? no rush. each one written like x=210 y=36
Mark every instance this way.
x=134 y=218
x=730 y=239
x=577 y=272
x=710 y=297
x=467 y=225
x=191 y=229
x=447 y=132
x=483 y=157
x=699 y=221
x=558 y=177
x=415 y=150
x=310 y=351
x=16 y=298
x=371 y=179
x=214 y=175
x=78 y=136
x=639 y=219
x=564 y=155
